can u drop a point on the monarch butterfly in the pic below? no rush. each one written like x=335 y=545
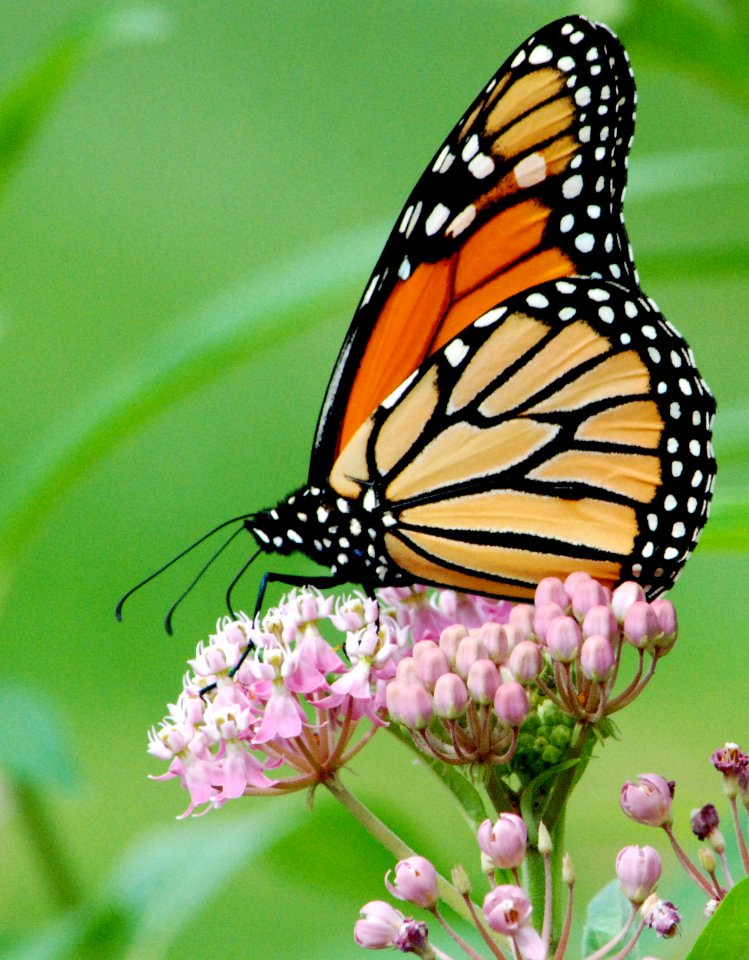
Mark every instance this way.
x=507 y=404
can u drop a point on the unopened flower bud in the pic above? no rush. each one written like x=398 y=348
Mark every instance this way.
x=563 y=639
x=543 y=617
x=543 y=843
x=551 y=590
x=600 y=620
x=568 y=870
x=521 y=616
x=515 y=635
x=666 y=615
x=707 y=859
x=525 y=662
x=494 y=638
x=470 y=649
x=483 y=681
x=503 y=841
x=431 y=663
x=573 y=581
x=378 y=925
x=450 y=639
x=649 y=800
x=460 y=879
x=450 y=696
x=641 y=627
x=624 y=596
x=511 y=704
x=415 y=881
x=589 y=593
x=406 y=671
x=638 y=870
x=597 y=658
x=409 y=704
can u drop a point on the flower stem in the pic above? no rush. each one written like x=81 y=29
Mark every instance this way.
x=739 y=834
x=391 y=841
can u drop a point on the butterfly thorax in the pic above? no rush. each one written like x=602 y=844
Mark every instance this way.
x=334 y=531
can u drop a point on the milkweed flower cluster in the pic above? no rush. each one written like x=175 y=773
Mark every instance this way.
x=276 y=704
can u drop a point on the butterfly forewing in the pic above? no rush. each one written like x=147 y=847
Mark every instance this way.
x=567 y=428
x=527 y=188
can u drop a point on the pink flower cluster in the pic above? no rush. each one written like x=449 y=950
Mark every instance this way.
x=271 y=705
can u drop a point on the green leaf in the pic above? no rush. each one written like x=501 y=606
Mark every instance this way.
x=727 y=933
x=25 y=104
x=607 y=914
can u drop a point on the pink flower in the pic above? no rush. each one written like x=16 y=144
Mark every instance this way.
x=240 y=769
x=415 y=881
x=378 y=925
x=503 y=842
x=649 y=800
x=638 y=870
x=507 y=910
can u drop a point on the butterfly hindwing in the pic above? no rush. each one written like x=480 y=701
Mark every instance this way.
x=527 y=188
x=566 y=428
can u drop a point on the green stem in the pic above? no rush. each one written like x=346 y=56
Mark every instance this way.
x=63 y=886
x=535 y=880
x=560 y=792
x=392 y=842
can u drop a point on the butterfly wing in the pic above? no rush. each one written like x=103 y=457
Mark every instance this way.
x=528 y=187
x=565 y=429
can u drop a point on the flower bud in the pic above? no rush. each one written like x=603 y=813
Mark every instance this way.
x=431 y=663
x=378 y=925
x=551 y=590
x=525 y=661
x=543 y=843
x=460 y=879
x=450 y=639
x=568 y=870
x=641 y=627
x=624 y=596
x=649 y=800
x=503 y=841
x=563 y=639
x=544 y=616
x=450 y=696
x=588 y=593
x=573 y=581
x=409 y=704
x=597 y=658
x=521 y=616
x=511 y=704
x=704 y=821
x=515 y=635
x=470 y=649
x=483 y=681
x=667 y=621
x=494 y=638
x=707 y=859
x=406 y=671
x=638 y=870
x=601 y=620
x=415 y=881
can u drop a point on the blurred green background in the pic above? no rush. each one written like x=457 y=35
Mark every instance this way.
x=182 y=243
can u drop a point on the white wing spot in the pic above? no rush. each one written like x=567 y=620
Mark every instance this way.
x=582 y=96
x=606 y=314
x=567 y=313
x=678 y=530
x=395 y=396
x=655 y=354
x=530 y=170
x=404 y=270
x=585 y=242
x=677 y=468
x=455 y=352
x=471 y=148
x=444 y=160
x=670 y=502
x=567 y=223
x=566 y=64
x=649 y=332
x=539 y=55
x=520 y=58
x=436 y=219
x=598 y=295
x=537 y=300
x=490 y=317
x=563 y=286
x=481 y=166
x=572 y=187
x=686 y=387
x=464 y=219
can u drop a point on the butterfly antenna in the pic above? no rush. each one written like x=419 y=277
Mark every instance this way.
x=180 y=555
x=196 y=578
x=236 y=580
